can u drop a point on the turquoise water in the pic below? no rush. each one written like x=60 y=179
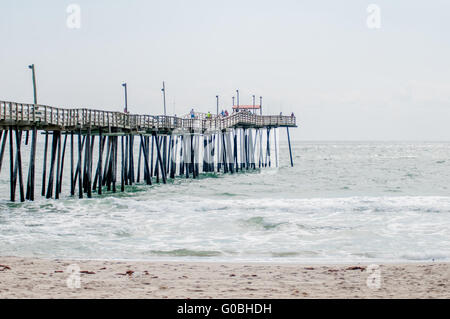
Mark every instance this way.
x=342 y=202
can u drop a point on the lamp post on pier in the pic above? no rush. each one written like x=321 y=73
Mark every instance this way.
x=164 y=97
x=217 y=98
x=33 y=71
x=254 y=104
x=260 y=105
x=126 y=97
x=164 y=170
x=34 y=82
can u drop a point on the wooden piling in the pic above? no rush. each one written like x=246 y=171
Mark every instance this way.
x=268 y=149
x=44 y=169
x=260 y=149
x=169 y=160
x=290 y=150
x=205 y=155
x=196 y=155
x=237 y=150
x=87 y=147
x=181 y=156
x=101 y=146
x=58 y=168
x=100 y=158
x=157 y=164
x=18 y=164
x=12 y=179
x=276 y=147
x=151 y=158
x=52 y=165
x=127 y=153
x=80 y=179
x=89 y=163
x=63 y=156
x=72 y=181
x=164 y=154
x=78 y=169
x=114 y=163
x=2 y=149
x=107 y=171
x=191 y=166
x=147 y=147
x=131 y=160
x=174 y=157
x=224 y=154
x=160 y=161
x=146 y=167
x=122 y=175
x=138 y=177
x=31 y=168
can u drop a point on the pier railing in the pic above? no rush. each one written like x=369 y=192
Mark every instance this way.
x=12 y=113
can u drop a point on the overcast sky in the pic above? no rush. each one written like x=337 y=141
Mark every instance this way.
x=343 y=80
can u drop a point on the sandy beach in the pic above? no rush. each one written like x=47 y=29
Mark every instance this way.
x=39 y=278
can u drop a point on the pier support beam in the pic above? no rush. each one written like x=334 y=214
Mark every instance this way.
x=191 y=156
x=157 y=163
x=52 y=165
x=107 y=171
x=44 y=169
x=12 y=180
x=63 y=156
x=131 y=179
x=58 y=168
x=2 y=149
x=88 y=164
x=164 y=154
x=151 y=158
x=268 y=148
x=79 y=165
x=72 y=181
x=138 y=177
x=160 y=161
x=181 y=156
x=173 y=157
x=18 y=164
x=146 y=168
x=260 y=149
x=236 y=163
x=114 y=162
x=224 y=153
x=31 y=168
x=169 y=159
x=101 y=143
x=122 y=175
x=290 y=149
x=276 y=146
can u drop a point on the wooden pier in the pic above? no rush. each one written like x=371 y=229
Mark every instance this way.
x=166 y=147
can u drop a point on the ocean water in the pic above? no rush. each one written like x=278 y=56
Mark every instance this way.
x=342 y=202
